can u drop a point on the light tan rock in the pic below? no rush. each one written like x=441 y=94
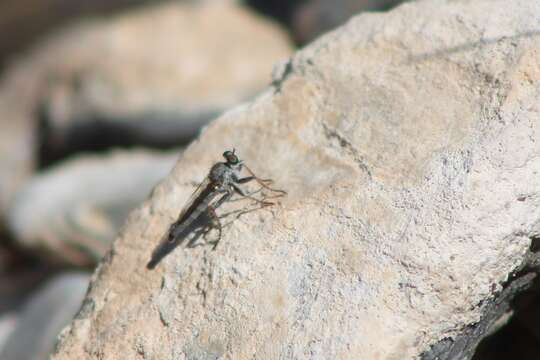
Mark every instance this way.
x=149 y=76
x=178 y=57
x=410 y=154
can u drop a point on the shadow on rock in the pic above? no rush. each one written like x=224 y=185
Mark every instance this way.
x=190 y=236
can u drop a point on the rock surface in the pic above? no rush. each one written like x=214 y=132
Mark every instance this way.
x=73 y=211
x=40 y=17
x=410 y=154
x=153 y=76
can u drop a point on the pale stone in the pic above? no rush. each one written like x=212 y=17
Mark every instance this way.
x=407 y=142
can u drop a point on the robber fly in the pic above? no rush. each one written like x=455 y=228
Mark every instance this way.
x=222 y=182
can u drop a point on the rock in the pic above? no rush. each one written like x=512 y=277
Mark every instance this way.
x=20 y=276
x=409 y=152
x=8 y=322
x=42 y=16
x=44 y=315
x=149 y=77
x=73 y=211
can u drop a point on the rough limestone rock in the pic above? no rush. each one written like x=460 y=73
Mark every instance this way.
x=411 y=156
x=152 y=76
x=73 y=211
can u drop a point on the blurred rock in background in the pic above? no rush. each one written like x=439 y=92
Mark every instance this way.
x=307 y=19
x=19 y=276
x=150 y=77
x=24 y=21
x=43 y=316
x=72 y=211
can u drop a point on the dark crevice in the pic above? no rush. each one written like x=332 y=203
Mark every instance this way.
x=348 y=148
x=490 y=338
x=280 y=78
x=520 y=338
x=535 y=244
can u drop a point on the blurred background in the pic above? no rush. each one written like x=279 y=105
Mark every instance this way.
x=97 y=100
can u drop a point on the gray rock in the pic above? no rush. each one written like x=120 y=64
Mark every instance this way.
x=43 y=316
x=73 y=211
x=410 y=154
x=8 y=322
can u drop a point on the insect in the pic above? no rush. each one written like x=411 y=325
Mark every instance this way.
x=222 y=182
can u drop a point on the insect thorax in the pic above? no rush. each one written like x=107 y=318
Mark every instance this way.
x=222 y=174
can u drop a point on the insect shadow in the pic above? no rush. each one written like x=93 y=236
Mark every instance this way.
x=191 y=234
x=200 y=228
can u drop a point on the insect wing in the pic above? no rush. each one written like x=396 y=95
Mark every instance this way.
x=171 y=239
x=202 y=188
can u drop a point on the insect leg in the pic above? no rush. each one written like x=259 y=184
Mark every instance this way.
x=222 y=199
x=212 y=213
x=260 y=181
x=245 y=180
x=211 y=210
x=240 y=192
x=263 y=182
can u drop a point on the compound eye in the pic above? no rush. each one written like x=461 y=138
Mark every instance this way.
x=230 y=157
